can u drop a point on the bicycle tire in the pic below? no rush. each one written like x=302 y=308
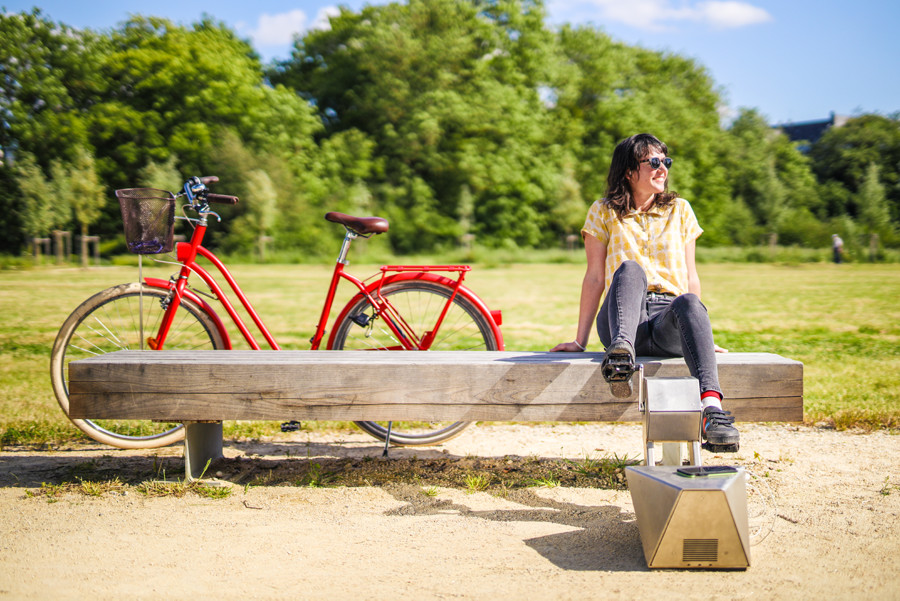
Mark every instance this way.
x=464 y=327
x=109 y=321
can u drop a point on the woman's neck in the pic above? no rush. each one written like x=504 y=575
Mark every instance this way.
x=643 y=203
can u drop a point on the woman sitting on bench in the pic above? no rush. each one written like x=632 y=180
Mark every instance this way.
x=640 y=243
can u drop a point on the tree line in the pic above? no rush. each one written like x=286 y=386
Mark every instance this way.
x=452 y=118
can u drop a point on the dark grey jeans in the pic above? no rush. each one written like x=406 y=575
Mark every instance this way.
x=659 y=325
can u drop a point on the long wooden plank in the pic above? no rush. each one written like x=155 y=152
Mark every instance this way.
x=472 y=386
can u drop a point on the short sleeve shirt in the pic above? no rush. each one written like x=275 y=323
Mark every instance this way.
x=655 y=239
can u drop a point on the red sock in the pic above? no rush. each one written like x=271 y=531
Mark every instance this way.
x=711 y=398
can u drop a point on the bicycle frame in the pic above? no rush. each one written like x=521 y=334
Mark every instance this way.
x=187 y=253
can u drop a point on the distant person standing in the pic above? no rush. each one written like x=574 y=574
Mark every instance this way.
x=837 y=247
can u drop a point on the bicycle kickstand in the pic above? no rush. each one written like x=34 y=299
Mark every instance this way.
x=387 y=440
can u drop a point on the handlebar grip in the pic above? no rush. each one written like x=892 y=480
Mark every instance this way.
x=209 y=179
x=222 y=199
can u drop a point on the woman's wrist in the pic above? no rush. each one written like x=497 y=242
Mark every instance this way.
x=579 y=345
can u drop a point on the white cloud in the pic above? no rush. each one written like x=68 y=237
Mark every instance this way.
x=724 y=15
x=321 y=20
x=659 y=15
x=280 y=29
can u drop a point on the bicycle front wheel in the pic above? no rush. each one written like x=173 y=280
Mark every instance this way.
x=420 y=303
x=111 y=321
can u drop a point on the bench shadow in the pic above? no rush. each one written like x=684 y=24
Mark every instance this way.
x=604 y=538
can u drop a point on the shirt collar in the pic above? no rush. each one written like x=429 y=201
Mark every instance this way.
x=655 y=210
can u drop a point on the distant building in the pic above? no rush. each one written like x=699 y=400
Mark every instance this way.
x=809 y=132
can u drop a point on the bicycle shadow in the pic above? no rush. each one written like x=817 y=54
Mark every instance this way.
x=603 y=538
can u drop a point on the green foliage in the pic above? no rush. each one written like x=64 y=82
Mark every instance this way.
x=464 y=122
x=843 y=155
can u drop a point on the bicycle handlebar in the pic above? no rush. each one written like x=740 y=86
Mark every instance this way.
x=196 y=188
x=223 y=199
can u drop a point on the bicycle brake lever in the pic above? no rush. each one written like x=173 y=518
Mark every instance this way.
x=218 y=218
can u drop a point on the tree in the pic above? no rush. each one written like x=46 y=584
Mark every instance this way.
x=162 y=176
x=844 y=154
x=448 y=92
x=79 y=185
x=39 y=211
x=874 y=216
x=263 y=198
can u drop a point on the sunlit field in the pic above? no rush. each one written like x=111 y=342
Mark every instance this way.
x=841 y=321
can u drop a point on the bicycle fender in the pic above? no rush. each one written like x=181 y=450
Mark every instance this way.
x=494 y=317
x=207 y=308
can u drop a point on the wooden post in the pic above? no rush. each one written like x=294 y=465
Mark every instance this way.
x=62 y=253
x=85 y=242
x=38 y=242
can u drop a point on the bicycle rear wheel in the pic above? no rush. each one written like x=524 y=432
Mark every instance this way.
x=420 y=303
x=110 y=321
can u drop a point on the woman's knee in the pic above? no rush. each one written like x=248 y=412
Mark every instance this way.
x=631 y=271
x=629 y=267
x=689 y=305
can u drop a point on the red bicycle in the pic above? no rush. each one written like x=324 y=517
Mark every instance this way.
x=402 y=307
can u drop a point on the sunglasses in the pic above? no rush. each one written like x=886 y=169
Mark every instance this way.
x=655 y=162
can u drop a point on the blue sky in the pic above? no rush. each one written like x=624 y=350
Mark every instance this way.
x=793 y=60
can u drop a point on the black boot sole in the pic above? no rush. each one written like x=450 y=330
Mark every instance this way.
x=722 y=448
x=617 y=370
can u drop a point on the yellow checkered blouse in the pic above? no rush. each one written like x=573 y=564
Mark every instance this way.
x=655 y=239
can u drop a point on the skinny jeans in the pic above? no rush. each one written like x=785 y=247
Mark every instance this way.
x=659 y=325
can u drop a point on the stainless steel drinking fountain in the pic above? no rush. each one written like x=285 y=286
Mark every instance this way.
x=691 y=522
x=685 y=520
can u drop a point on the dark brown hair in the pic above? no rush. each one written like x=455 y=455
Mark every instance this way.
x=626 y=160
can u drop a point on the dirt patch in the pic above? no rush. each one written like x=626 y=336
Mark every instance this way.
x=316 y=516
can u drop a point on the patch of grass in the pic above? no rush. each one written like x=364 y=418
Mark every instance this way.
x=887 y=488
x=40 y=433
x=477 y=482
x=178 y=489
x=608 y=470
x=545 y=482
x=315 y=476
x=841 y=321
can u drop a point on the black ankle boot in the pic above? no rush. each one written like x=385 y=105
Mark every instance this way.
x=618 y=367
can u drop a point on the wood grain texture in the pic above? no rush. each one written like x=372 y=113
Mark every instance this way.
x=360 y=385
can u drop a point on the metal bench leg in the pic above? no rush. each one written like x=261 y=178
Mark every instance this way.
x=202 y=444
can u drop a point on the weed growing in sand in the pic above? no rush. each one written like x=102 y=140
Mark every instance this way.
x=477 y=482
x=545 y=482
x=887 y=488
x=431 y=491
x=315 y=477
x=609 y=470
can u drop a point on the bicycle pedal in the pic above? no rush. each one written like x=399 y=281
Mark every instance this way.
x=361 y=319
x=291 y=426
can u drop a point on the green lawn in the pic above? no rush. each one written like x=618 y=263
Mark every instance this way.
x=842 y=322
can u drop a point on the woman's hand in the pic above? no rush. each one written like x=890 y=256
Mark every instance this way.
x=719 y=349
x=567 y=347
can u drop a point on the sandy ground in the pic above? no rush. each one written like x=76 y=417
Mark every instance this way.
x=824 y=505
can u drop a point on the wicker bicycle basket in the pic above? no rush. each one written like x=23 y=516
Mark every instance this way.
x=149 y=217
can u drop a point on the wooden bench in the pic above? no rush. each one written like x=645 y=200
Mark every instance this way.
x=210 y=386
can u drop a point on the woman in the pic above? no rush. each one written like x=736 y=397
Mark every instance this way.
x=640 y=242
